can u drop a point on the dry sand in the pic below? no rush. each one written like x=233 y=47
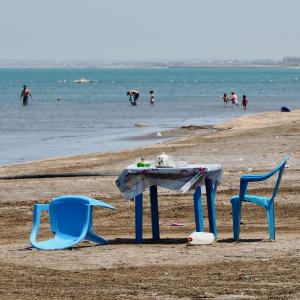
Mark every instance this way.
x=251 y=268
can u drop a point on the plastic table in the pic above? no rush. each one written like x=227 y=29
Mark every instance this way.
x=133 y=181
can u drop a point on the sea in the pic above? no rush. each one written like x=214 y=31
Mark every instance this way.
x=66 y=118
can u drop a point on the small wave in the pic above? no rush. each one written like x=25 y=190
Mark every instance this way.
x=61 y=137
x=84 y=80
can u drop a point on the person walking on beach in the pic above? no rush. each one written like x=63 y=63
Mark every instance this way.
x=244 y=102
x=25 y=95
x=151 y=98
x=234 y=99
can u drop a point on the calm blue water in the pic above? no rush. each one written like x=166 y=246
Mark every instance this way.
x=97 y=116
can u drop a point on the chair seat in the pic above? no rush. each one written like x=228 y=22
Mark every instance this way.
x=259 y=200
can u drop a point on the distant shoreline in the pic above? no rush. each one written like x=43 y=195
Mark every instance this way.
x=286 y=62
x=3 y=67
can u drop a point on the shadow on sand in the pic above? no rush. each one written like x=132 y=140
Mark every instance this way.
x=164 y=241
x=231 y=240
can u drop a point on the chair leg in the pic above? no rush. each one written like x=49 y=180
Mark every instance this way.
x=271 y=221
x=37 y=209
x=236 y=218
x=93 y=237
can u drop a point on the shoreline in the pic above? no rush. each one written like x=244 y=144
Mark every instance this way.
x=177 y=135
x=181 y=137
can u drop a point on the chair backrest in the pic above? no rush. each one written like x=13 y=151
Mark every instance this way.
x=70 y=215
x=279 y=168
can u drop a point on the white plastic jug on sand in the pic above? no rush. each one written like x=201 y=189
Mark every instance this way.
x=201 y=238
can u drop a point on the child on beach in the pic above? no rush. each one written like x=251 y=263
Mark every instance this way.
x=151 y=98
x=244 y=102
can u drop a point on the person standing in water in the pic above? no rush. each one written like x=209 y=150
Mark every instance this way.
x=151 y=98
x=133 y=96
x=245 y=102
x=225 y=99
x=234 y=99
x=25 y=95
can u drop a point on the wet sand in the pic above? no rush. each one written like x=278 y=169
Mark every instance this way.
x=169 y=269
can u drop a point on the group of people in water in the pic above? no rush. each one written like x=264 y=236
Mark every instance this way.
x=134 y=96
x=234 y=100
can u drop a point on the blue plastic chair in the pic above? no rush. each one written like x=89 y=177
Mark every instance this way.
x=71 y=221
x=267 y=203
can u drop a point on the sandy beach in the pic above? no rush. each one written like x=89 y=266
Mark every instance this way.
x=169 y=269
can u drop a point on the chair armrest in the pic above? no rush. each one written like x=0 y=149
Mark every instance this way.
x=260 y=177
x=250 y=178
x=253 y=177
x=244 y=179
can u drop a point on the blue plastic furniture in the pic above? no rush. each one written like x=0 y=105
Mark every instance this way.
x=71 y=221
x=267 y=203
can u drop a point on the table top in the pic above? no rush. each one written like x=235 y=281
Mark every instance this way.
x=134 y=180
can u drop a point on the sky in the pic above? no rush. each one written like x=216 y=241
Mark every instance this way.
x=149 y=30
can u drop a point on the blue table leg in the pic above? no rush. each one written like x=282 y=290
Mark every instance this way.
x=198 y=210
x=154 y=212
x=210 y=194
x=139 y=218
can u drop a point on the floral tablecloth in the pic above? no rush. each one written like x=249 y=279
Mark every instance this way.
x=133 y=180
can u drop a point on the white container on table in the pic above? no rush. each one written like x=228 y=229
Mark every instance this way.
x=164 y=160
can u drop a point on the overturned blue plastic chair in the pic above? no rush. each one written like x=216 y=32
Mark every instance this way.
x=71 y=221
x=267 y=203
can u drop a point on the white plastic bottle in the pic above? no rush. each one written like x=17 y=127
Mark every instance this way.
x=201 y=238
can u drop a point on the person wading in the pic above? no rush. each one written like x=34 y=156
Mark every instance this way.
x=25 y=95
